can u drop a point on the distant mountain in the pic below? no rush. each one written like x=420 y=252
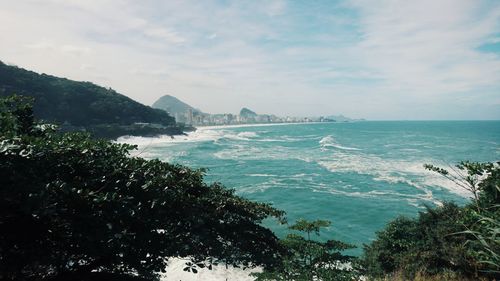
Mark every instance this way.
x=173 y=105
x=81 y=105
x=341 y=118
x=247 y=113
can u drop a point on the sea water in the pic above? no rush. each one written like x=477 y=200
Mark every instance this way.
x=358 y=175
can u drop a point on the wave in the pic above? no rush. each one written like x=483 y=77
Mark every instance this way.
x=379 y=194
x=201 y=135
x=248 y=135
x=329 y=141
x=411 y=173
x=261 y=175
x=244 y=151
x=242 y=146
x=196 y=136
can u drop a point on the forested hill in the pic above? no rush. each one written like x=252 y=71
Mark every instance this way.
x=79 y=104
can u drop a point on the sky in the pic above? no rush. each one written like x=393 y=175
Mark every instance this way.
x=379 y=60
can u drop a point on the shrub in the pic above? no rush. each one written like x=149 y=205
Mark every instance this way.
x=73 y=206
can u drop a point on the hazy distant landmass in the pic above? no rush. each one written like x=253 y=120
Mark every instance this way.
x=184 y=113
x=174 y=106
x=245 y=112
x=340 y=118
x=83 y=105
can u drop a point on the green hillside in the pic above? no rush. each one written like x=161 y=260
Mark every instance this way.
x=78 y=103
x=81 y=105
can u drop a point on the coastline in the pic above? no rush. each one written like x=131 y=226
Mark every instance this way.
x=210 y=127
x=195 y=135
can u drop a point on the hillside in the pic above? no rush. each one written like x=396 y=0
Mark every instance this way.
x=245 y=112
x=173 y=105
x=62 y=100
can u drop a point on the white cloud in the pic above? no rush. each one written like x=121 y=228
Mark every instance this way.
x=275 y=7
x=310 y=59
x=40 y=46
x=429 y=46
x=164 y=34
x=76 y=50
x=45 y=46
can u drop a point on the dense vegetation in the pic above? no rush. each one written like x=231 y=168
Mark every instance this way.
x=76 y=208
x=307 y=259
x=82 y=105
x=73 y=208
x=448 y=242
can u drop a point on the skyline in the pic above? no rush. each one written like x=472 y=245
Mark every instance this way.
x=375 y=60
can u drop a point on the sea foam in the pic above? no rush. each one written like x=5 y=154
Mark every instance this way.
x=175 y=272
x=329 y=141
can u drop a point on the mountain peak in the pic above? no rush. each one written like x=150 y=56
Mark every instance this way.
x=173 y=105
x=245 y=112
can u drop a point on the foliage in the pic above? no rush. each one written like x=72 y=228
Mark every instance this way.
x=307 y=259
x=416 y=245
x=445 y=275
x=482 y=180
x=76 y=105
x=463 y=240
x=72 y=206
x=386 y=252
x=16 y=115
x=484 y=241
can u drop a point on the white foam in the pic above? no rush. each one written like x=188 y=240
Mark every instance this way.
x=248 y=135
x=261 y=175
x=196 y=136
x=329 y=141
x=389 y=195
x=175 y=272
x=391 y=171
x=251 y=152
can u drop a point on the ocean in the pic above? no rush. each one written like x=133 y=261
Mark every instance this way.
x=358 y=175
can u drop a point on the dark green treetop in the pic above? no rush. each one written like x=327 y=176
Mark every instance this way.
x=71 y=206
x=81 y=104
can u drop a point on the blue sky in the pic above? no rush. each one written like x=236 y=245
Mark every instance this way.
x=384 y=60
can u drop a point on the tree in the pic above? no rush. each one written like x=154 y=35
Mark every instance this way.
x=480 y=179
x=72 y=207
x=462 y=240
x=307 y=259
x=84 y=106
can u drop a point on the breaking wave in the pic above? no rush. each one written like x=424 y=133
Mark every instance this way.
x=329 y=141
x=392 y=171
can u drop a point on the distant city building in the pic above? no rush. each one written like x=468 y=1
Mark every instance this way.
x=189 y=115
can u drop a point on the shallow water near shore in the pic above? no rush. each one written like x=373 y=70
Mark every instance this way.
x=358 y=175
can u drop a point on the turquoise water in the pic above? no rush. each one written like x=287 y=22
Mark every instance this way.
x=358 y=175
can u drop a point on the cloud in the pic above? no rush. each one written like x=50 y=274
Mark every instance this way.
x=164 y=34
x=40 y=46
x=76 y=50
x=51 y=47
x=418 y=47
x=378 y=60
x=275 y=7
x=162 y=73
